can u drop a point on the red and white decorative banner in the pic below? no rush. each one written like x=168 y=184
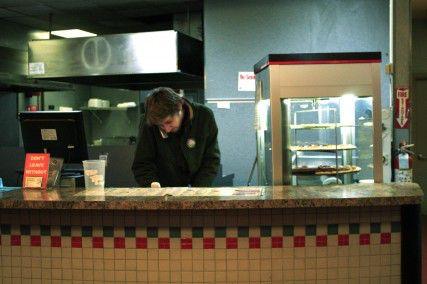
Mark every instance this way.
x=401 y=108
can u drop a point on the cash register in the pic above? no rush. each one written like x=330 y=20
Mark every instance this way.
x=62 y=135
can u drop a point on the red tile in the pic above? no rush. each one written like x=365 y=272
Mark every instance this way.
x=141 y=243
x=15 y=240
x=186 y=243
x=299 y=241
x=343 y=240
x=385 y=238
x=364 y=239
x=231 y=243
x=76 y=242
x=208 y=243
x=277 y=242
x=322 y=241
x=254 y=242
x=97 y=242
x=164 y=243
x=35 y=241
x=55 y=241
x=119 y=243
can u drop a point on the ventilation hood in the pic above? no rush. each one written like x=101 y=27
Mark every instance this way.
x=13 y=74
x=135 y=61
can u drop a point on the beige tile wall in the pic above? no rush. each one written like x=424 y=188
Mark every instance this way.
x=251 y=246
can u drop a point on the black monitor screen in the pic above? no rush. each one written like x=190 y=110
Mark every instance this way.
x=61 y=134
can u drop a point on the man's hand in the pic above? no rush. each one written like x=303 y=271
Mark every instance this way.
x=155 y=184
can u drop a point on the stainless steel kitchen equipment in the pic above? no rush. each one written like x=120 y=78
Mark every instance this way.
x=13 y=74
x=131 y=61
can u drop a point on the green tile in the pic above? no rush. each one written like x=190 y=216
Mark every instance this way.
x=152 y=232
x=265 y=231
x=175 y=232
x=25 y=230
x=87 y=231
x=220 y=232
x=288 y=231
x=354 y=228
x=333 y=229
x=243 y=232
x=5 y=229
x=197 y=232
x=310 y=230
x=130 y=232
x=395 y=227
x=45 y=230
x=375 y=228
x=66 y=231
x=108 y=231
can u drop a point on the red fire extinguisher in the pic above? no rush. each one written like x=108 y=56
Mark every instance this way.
x=402 y=163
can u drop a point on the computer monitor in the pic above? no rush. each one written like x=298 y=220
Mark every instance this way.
x=61 y=134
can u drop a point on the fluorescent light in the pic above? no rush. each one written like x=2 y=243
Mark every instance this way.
x=72 y=33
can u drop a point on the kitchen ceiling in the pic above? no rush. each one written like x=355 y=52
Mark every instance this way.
x=97 y=16
x=112 y=16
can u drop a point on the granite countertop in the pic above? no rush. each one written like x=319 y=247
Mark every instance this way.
x=197 y=198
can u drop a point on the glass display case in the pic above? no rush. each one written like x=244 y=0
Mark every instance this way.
x=318 y=119
x=330 y=139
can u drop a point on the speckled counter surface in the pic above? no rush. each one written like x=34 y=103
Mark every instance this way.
x=272 y=197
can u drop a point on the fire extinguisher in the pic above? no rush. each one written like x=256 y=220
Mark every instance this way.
x=402 y=163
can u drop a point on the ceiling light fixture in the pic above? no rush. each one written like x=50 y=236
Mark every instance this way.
x=72 y=33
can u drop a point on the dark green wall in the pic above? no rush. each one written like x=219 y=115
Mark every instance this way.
x=419 y=47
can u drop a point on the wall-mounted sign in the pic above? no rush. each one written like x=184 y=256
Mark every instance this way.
x=401 y=108
x=246 y=82
x=36 y=68
x=36 y=170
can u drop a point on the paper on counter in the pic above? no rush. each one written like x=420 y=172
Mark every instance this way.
x=179 y=191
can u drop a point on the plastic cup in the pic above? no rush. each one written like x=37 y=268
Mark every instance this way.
x=94 y=172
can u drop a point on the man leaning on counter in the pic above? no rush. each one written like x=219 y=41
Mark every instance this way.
x=177 y=143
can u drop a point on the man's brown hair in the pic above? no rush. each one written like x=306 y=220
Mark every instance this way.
x=161 y=103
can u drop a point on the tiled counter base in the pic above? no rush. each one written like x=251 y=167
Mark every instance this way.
x=315 y=245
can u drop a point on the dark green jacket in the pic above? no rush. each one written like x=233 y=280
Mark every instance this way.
x=155 y=159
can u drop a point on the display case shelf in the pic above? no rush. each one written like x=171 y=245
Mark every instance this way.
x=303 y=171
x=351 y=170
x=327 y=126
x=324 y=148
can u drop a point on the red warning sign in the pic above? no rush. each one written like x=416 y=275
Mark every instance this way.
x=401 y=108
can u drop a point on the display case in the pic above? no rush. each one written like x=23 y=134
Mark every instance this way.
x=318 y=119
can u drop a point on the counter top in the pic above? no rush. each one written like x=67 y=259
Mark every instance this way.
x=214 y=198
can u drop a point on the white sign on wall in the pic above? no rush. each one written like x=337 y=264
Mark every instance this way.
x=246 y=82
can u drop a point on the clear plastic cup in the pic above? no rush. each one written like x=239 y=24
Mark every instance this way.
x=94 y=171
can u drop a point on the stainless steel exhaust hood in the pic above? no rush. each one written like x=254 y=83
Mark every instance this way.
x=13 y=74
x=132 y=61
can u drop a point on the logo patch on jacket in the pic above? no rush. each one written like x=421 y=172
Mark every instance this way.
x=191 y=143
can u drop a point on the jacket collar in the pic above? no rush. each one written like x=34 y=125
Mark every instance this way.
x=190 y=108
